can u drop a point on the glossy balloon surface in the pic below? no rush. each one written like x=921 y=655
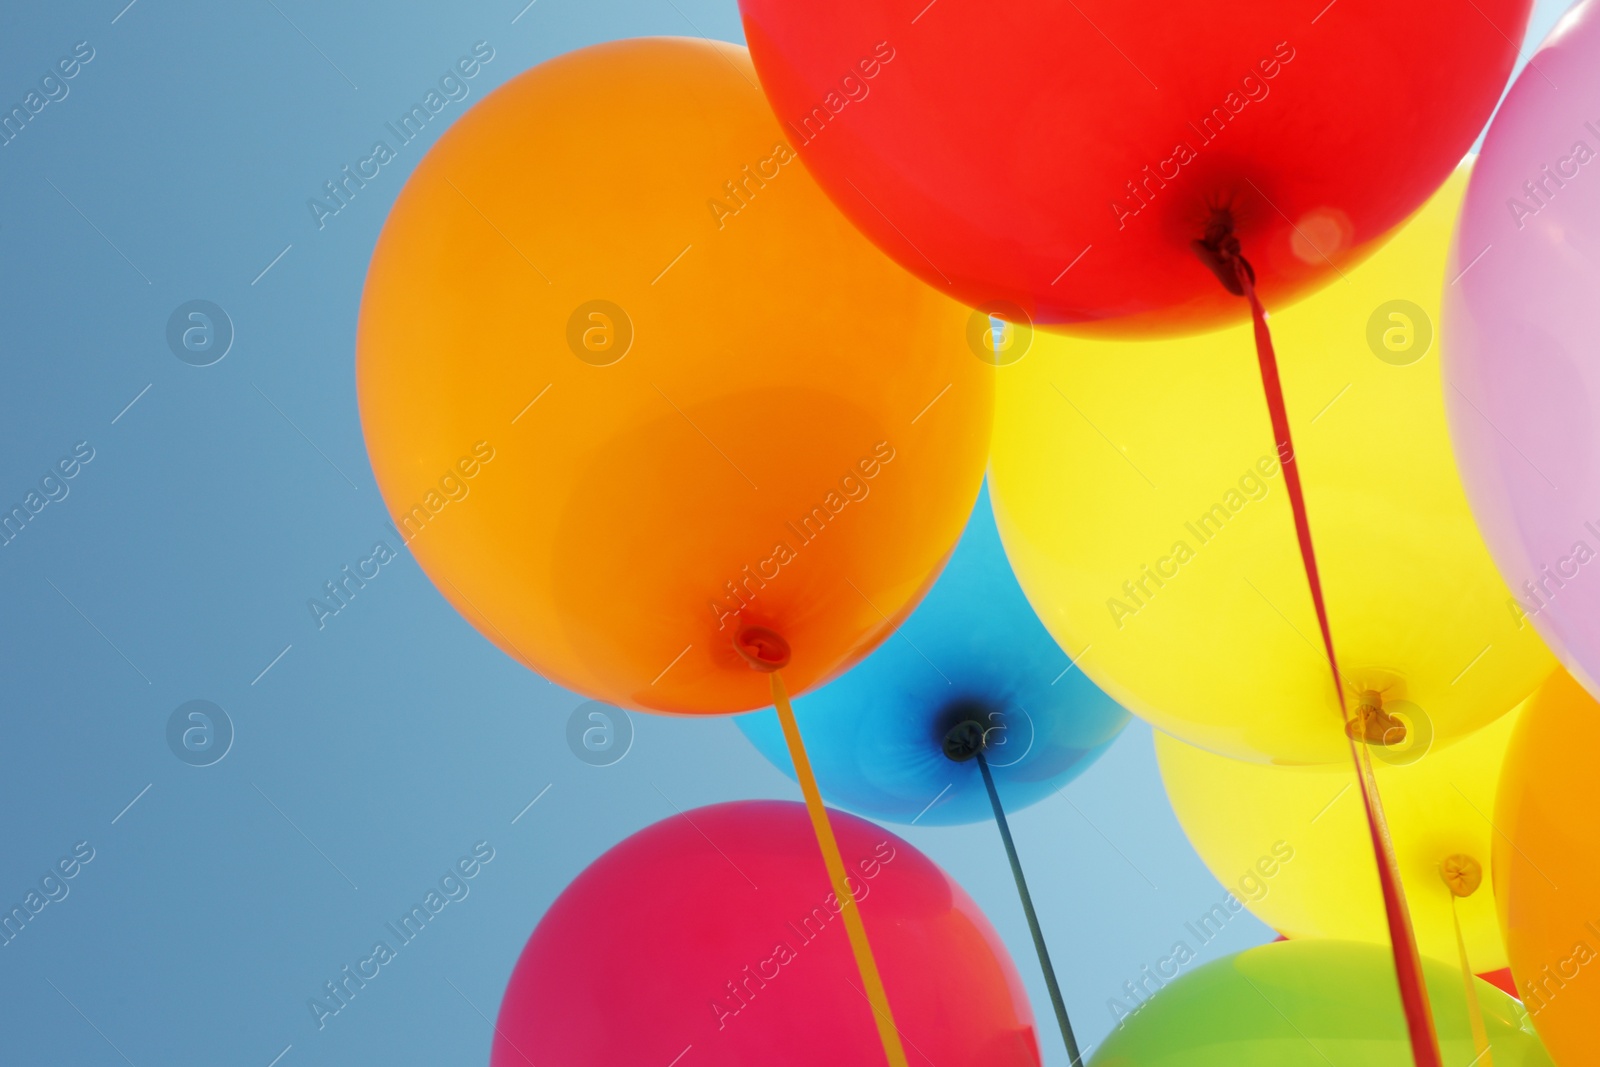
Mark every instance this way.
x=619 y=412
x=1309 y=1004
x=975 y=650
x=1143 y=506
x=1291 y=843
x=1060 y=157
x=1522 y=369
x=715 y=931
x=1547 y=868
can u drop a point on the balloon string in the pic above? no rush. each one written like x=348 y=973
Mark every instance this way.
x=1402 y=937
x=866 y=963
x=1480 y=1033
x=1403 y=942
x=1075 y=1058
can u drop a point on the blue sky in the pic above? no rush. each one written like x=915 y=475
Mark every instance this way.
x=368 y=755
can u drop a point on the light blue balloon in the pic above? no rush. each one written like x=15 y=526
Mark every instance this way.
x=973 y=649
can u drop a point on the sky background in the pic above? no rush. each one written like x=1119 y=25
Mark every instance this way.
x=369 y=756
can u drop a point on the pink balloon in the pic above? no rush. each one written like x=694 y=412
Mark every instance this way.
x=712 y=939
x=1521 y=342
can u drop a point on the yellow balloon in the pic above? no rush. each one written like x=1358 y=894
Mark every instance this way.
x=1142 y=504
x=1291 y=843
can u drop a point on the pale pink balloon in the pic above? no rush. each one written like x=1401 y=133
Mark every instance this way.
x=1521 y=342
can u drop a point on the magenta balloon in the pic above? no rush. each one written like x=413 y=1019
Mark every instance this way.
x=710 y=940
x=1521 y=342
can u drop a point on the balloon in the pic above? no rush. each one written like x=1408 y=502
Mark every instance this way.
x=1291 y=843
x=1547 y=869
x=630 y=383
x=1142 y=504
x=1501 y=980
x=714 y=930
x=1057 y=160
x=973 y=650
x=1308 y=1004
x=1522 y=371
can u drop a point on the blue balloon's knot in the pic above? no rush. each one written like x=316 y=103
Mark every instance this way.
x=965 y=740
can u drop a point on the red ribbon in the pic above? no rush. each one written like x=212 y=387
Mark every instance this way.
x=1407 y=960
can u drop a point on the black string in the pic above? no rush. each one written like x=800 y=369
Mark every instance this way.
x=1033 y=919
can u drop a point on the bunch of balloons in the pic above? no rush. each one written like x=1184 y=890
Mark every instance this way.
x=728 y=390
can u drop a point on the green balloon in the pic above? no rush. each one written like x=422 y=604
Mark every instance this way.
x=1310 y=1003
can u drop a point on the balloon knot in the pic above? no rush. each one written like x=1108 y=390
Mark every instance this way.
x=1370 y=723
x=964 y=741
x=1462 y=874
x=1220 y=251
x=763 y=649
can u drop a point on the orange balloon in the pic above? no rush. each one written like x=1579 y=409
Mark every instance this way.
x=630 y=383
x=1547 y=867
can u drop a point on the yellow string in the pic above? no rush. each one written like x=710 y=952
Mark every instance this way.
x=865 y=961
x=1463 y=875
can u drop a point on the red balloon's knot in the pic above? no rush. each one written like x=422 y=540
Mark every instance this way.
x=1219 y=250
x=763 y=649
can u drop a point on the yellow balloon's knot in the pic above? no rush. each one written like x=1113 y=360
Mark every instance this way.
x=1369 y=722
x=1462 y=874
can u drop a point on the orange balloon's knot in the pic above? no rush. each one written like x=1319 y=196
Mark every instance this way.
x=1219 y=250
x=1369 y=722
x=1462 y=874
x=765 y=650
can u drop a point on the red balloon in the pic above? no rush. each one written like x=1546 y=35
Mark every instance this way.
x=1062 y=157
x=715 y=933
